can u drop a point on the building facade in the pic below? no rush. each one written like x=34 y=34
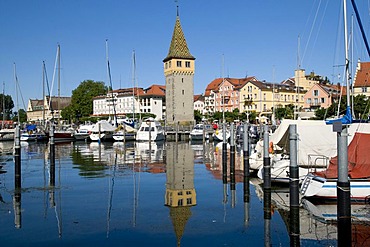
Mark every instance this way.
x=361 y=79
x=179 y=67
x=131 y=101
x=46 y=109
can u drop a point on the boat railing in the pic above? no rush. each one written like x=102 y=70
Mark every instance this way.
x=317 y=161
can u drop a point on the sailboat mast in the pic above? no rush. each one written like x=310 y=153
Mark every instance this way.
x=59 y=83
x=223 y=90
x=16 y=90
x=2 y=124
x=110 y=83
x=43 y=92
x=133 y=84
x=346 y=50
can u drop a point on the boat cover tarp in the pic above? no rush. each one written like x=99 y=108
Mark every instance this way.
x=31 y=127
x=316 y=140
x=358 y=159
x=104 y=126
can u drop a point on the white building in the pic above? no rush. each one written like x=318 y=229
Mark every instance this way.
x=199 y=103
x=131 y=100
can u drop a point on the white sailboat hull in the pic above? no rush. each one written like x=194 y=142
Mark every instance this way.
x=315 y=186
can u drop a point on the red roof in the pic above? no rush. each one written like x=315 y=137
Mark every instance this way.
x=237 y=83
x=362 y=75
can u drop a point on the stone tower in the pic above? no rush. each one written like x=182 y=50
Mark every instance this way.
x=179 y=68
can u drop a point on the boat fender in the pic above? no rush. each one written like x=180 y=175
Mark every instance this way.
x=271 y=148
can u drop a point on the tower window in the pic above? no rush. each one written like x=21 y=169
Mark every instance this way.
x=183 y=92
x=187 y=64
x=169 y=64
x=179 y=64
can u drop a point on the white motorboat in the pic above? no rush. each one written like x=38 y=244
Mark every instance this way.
x=83 y=132
x=150 y=130
x=200 y=130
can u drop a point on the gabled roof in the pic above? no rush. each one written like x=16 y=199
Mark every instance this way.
x=36 y=102
x=279 y=87
x=289 y=81
x=199 y=97
x=178 y=47
x=59 y=103
x=362 y=75
x=155 y=90
x=237 y=83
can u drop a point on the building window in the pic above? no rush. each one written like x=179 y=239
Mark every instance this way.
x=322 y=100
x=179 y=64
x=169 y=64
x=187 y=64
x=315 y=92
x=183 y=92
x=364 y=89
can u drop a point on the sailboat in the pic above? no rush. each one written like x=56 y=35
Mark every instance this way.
x=324 y=184
x=61 y=133
x=127 y=129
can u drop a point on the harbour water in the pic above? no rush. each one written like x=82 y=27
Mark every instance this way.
x=164 y=194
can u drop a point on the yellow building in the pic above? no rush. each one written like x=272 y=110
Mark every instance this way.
x=262 y=97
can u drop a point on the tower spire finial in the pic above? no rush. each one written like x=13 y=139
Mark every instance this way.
x=177 y=7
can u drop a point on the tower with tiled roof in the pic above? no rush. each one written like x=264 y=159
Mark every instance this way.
x=179 y=68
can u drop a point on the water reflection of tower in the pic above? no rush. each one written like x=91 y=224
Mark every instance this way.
x=180 y=191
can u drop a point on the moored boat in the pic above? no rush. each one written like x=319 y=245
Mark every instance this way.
x=102 y=131
x=324 y=184
x=150 y=130
x=200 y=130
x=124 y=132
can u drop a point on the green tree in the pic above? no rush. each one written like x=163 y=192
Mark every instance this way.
x=6 y=108
x=198 y=116
x=286 y=112
x=22 y=116
x=360 y=108
x=82 y=99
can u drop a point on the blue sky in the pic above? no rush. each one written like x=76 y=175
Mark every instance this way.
x=235 y=38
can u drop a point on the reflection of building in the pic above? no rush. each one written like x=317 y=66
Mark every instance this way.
x=180 y=191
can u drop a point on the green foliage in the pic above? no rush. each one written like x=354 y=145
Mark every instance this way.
x=360 y=107
x=82 y=99
x=198 y=116
x=286 y=112
x=7 y=107
x=22 y=116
